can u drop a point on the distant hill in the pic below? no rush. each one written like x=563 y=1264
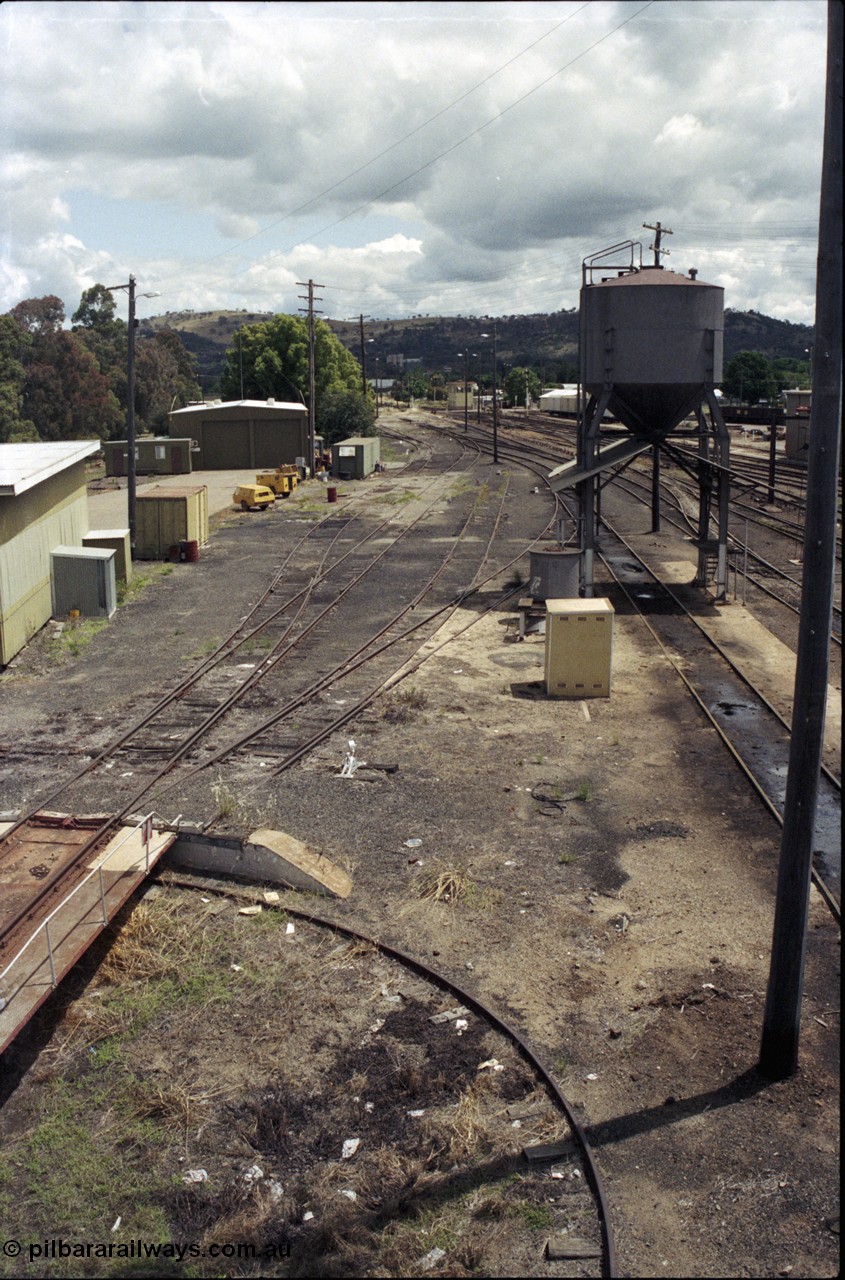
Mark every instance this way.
x=438 y=343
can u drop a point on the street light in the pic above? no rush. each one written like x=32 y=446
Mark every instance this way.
x=495 y=399
x=130 y=407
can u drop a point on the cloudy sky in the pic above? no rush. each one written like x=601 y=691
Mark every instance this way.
x=410 y=158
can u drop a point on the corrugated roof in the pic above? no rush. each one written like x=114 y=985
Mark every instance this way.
x=239 y=404
x=24 y=465
x=652 y=275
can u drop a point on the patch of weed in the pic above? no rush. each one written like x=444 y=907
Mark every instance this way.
x=403 y=705
x=139 y=582
x=76 y=637
x=539 y=1217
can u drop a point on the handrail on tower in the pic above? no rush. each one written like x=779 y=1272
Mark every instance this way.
x=595 y=261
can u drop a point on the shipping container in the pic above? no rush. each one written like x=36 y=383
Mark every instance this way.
x=165 y=517
x=579 y=648
x=83 y=582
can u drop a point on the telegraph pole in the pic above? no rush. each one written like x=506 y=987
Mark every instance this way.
x=361 y=320
x=659 y=232
x=131 y=474
x=782 y=1016
x=312 y=397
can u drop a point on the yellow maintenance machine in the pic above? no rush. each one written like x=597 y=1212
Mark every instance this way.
x=282 y=480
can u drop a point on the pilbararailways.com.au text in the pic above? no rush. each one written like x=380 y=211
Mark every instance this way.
x=55 y=1248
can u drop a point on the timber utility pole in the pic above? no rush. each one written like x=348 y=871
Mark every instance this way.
x=361 y=320
x=312 y=396
x=659 y=233
x=131 y=473
x=782 y=1017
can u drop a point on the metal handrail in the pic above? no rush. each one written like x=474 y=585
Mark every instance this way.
x=98 y=870
x=594 y=262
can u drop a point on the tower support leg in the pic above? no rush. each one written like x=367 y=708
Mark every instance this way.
x=587 y=490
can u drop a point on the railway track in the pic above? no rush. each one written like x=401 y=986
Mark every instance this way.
x=574 y=1152
x=189 y=728
x=479 y=567
x=188 y=719
x=756 y=735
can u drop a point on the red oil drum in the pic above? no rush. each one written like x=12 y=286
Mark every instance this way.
x=331 y=494
x=189 y=551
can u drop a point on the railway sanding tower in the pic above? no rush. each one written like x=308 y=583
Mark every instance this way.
x=650 y=357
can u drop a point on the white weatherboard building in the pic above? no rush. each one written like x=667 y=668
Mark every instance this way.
x=43 y=505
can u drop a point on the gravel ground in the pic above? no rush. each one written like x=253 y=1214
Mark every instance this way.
x=621 y=912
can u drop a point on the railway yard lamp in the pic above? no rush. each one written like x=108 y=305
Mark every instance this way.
x=495 y=398
x=131 y=477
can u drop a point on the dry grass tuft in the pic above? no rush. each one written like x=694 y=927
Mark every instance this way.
x=177 y=1106
x=442 y=883
x=140 y=949
x=403 y=705
x=469 y=1128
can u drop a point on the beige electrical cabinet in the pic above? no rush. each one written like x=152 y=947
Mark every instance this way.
x=579 y=648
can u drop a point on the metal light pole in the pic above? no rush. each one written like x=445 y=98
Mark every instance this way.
x=131 y=477
x=495 y=399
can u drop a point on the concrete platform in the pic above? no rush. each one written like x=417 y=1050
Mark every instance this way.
x=266 y=857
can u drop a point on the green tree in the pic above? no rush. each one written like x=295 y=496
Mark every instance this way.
x=413 y=385
x=14 y=344
x=272 y=359
x=164 y=378
x=39 y=316
x=342 y=413
x=791 y=373
x=96 y=310
x=107 y=338
x=750 y=377
x=519 y=384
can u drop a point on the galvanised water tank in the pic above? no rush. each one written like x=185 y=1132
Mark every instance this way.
x=656 y=338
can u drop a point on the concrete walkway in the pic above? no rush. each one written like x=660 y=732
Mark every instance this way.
x=109 y=509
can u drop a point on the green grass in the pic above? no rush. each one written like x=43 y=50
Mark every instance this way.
x=256 y=644
x=539 y=1217
x=76 y=637
x=137 y=585
x=205 y=649
x=397 y=499
x=65 y=1177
